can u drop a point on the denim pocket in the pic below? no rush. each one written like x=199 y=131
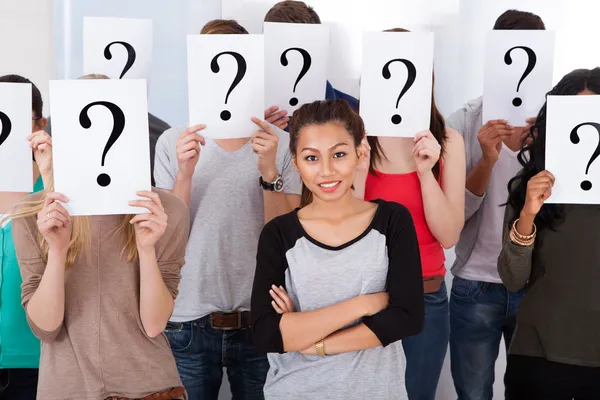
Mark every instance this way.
x=180 y=335
x=465 y=289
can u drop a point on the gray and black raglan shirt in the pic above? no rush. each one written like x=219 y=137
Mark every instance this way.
x=383 y=258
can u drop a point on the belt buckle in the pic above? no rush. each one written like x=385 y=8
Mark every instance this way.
x=237 y=327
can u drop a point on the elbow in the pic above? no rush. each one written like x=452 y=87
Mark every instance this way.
x=450 y=241
x=154 y=331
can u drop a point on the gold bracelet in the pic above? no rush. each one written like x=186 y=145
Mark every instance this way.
x=320 y=346
x=520 y=242
x=521 y=236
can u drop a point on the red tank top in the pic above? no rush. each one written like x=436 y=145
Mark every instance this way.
x=406 y=190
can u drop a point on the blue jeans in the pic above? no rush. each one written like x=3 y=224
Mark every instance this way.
x=202 y=352
x=480 y=314
x=425 y=352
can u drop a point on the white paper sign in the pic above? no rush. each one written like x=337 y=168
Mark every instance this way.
x=100 y=143
x=573 y=147
x=15 y=126
x=226 y=83
x=396 y=83
x=518 y=74
x=117 y=47
x=296 y=58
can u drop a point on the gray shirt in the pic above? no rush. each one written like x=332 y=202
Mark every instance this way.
x=384 y=258
x=227 y=215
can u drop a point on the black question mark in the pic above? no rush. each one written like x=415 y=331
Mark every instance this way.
x=531 y=61
x=586 y=185
x=118 y=127
x=241 y=72
x=412 y=75
x=6 y=127
x=130 y=55
x=306 y=63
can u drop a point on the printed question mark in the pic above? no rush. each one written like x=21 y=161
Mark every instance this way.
x=306 y=63
x=241 y=72
x=130 y=55
x=412 y=75
x=587 y=185
x=118 y=127
x=6 y=127
x=531 y=61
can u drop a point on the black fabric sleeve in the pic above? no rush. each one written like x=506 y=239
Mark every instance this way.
x=270 y=270
x=405 y=314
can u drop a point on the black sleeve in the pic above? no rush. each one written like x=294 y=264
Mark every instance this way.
x=405 y=314
x=270 y=270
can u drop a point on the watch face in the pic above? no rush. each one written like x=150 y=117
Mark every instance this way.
x=279 y=184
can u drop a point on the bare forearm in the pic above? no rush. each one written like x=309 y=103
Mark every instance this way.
x=275 y=204
x=156 y=302
x=443 y=219
x=356 y=338
x=46 y=308
x=479 y=177
x=302 y=329
x=182 y=188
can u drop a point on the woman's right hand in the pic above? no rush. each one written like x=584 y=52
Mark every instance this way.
x=376 y=302
x=188 y=149
x=54 y=222
x=539 y=189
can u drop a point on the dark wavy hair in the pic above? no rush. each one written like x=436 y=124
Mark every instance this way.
x=437 y=126
x=532 y=155
x=321 y=113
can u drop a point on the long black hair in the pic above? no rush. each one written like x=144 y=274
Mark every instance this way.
x=532 y=155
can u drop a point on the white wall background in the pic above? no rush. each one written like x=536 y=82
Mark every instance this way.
x=26 y=41
x=32 y=47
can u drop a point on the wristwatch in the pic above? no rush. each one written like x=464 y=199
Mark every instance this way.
x=275 y=186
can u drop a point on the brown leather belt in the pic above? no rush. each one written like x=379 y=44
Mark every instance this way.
x=433 y=283
x=229 y=321
x=171 y=394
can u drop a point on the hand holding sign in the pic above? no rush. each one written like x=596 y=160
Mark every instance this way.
x=101 y=148
x=230 y=66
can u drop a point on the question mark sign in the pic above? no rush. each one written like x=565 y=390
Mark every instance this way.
x=6 y=127
x=306 y=63
x=241 y=72
x=130 y=55
x=118 y=127
x=412 y=75
x=531 y=61
x=586 y=185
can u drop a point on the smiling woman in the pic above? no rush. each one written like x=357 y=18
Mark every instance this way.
x=356 y=273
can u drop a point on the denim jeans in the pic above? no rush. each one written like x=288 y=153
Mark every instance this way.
x=480 y=314
x=18 y=383
x=425 y=352
x=202 y=352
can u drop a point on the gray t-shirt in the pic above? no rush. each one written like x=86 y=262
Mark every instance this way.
x=384 y=258
x=227 y=215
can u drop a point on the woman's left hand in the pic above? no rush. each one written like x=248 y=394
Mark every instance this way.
x=41 y=145
x=426 y=152
x=151 y=226
x=282 y=303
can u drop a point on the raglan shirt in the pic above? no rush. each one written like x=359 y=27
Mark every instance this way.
x=383 y=258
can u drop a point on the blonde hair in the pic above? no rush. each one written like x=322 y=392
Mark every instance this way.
x=81 y=233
